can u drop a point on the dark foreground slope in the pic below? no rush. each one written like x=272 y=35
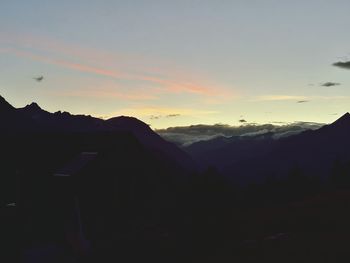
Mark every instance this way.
x=131 y=189
x=125 y=193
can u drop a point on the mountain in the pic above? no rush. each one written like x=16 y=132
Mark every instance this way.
x=246 y=158
x=184 y=136
x=150 y=139
x=130 y=183
x=222 y=151
x=116 y=182
x=341 y=125
x=33 y=118
x=13 y=121
x=312 y=153
x=61 y=121
x=5 y=107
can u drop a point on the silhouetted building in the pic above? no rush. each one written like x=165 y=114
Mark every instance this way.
x=68 y=201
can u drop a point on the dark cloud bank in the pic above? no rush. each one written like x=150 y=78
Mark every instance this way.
x=340 y=64
x=187 y=135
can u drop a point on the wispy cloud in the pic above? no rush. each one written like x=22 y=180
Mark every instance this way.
x=153 y=117
x=330 y=84
x=157 y=117
x=104 y=64
x=55 y=47
x=100 y=92
x=173 y=115
x=279 y=98
x=168 y=86
x=330 y=97
x=298 y=99
x=148 y=111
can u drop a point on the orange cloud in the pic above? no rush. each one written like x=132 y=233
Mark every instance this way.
x=178 y=83
x=89 y=69
x=170 y=86
x=106 y=93
x=176 y=87
x=155 y=111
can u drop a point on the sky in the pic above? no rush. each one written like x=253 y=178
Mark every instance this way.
x=177 y=63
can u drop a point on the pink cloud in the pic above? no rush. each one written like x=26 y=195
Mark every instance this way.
x=178 y=84
x=106 y=93
x=89 y=69
x=170 y=86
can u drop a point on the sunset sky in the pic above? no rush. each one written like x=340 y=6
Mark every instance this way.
x=173 y=63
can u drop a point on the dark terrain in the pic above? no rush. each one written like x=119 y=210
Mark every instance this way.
x=131 y=196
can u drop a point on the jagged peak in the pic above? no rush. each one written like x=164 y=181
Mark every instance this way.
x=33 y=105
x=343 y=120
x=4 y=104
x=31 y=109
x=346 y=117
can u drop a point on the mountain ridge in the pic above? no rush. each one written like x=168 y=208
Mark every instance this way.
x=35 y=119
x=250 y=158
x=313 y=152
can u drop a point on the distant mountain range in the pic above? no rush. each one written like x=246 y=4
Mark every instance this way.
x=186 y=135
x=253 y=158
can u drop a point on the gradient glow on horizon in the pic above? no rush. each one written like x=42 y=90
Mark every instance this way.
x=175 y=63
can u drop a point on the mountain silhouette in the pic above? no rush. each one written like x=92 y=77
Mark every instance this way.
x=136 y=180
x=150 y=139
x=61 y=121
x=33 y=118
x=5 y=107
x=341 y=125
x=253 y=158
x=133 y=194
x=222 y=151
x=314 y=153
x=13 y=121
